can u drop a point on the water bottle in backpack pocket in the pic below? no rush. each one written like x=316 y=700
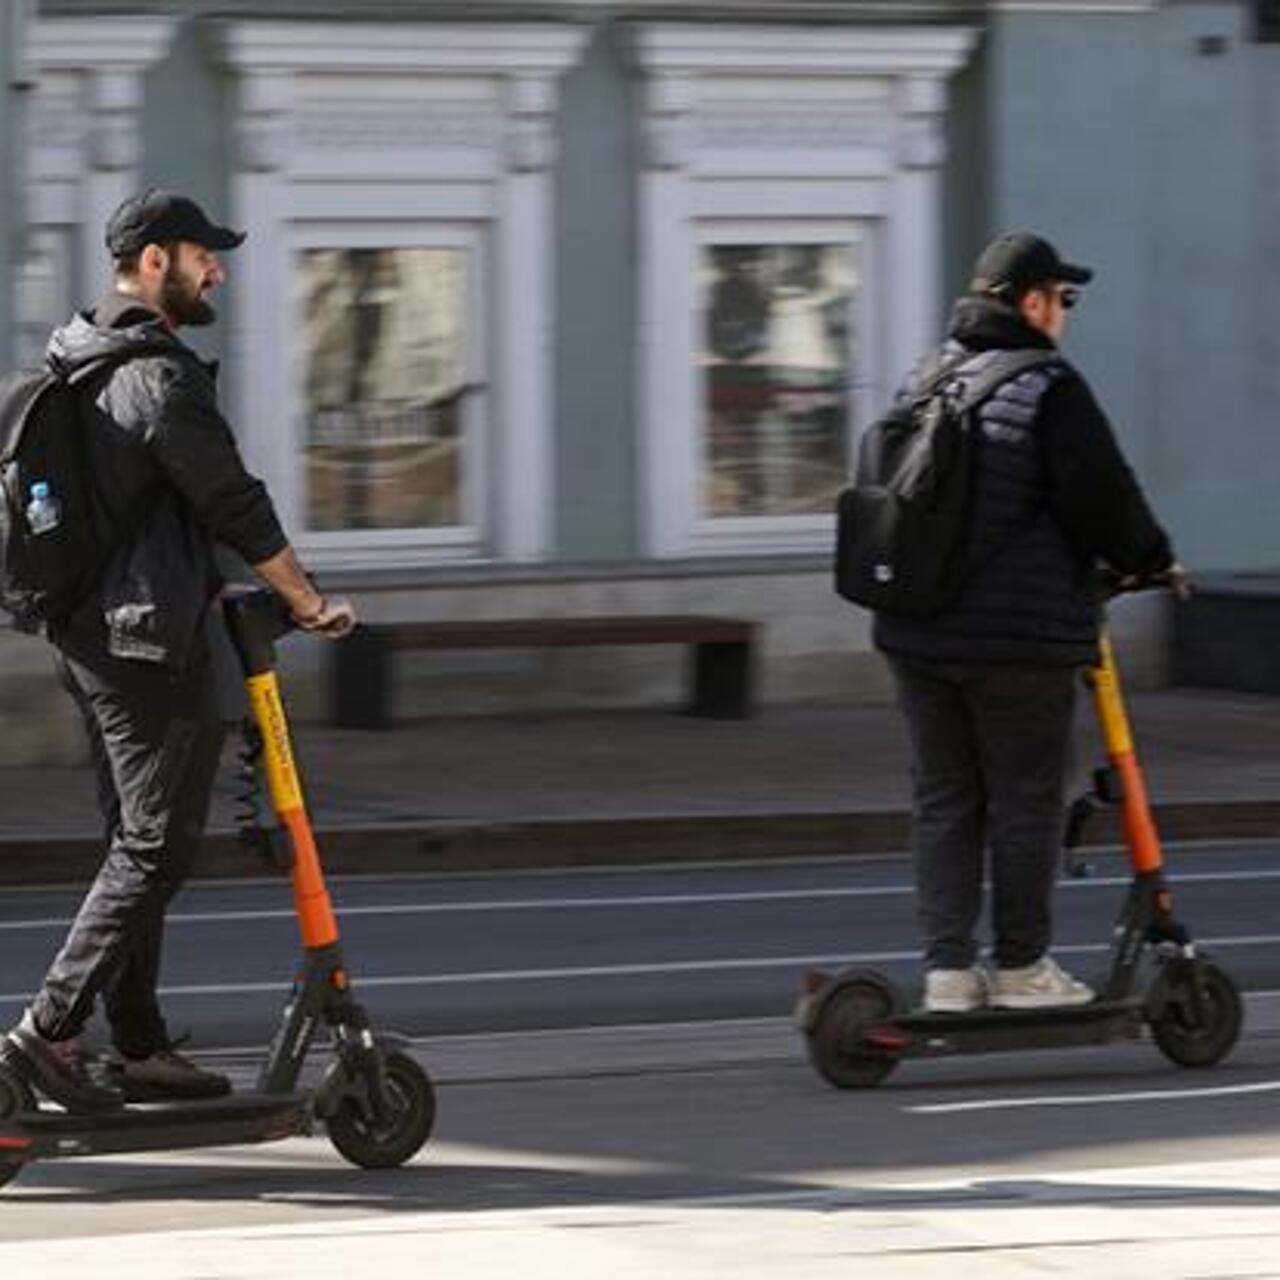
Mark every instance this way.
x=53 y=534
x=44 y=511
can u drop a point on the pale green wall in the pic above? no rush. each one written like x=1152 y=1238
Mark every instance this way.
x=1213 y=126
x=596 y=274
x=1141 y=155
x=1066 y=108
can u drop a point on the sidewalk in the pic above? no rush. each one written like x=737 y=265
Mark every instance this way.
x=617 y=787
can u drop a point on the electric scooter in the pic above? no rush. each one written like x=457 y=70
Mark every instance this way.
x=375 y=1101
x=857 y=1028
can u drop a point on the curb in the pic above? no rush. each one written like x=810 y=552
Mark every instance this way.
x=621 y=840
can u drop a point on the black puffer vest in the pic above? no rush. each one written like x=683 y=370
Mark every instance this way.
x=1030 y=599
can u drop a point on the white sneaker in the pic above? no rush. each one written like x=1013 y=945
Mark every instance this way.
x=1042 y=985
x=955 y=990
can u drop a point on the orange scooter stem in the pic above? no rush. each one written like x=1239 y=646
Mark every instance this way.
x=1141 y=835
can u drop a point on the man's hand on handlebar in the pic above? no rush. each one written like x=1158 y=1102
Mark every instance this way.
x=333 y=619
x=1175 y=577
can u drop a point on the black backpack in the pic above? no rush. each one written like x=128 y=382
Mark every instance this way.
x=902 y=526
x=44 y=575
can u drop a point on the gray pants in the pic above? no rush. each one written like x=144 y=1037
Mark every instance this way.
x=156 y=739
x=990 y=747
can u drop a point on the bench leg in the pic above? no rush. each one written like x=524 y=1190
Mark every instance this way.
x=721 y=681
x=360 y=685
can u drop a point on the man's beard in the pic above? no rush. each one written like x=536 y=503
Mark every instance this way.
x=182 y=301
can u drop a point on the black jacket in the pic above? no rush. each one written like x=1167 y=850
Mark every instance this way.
x=170 y=477
x=1054 y=498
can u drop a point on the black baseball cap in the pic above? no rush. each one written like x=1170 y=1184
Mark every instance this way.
x=157 y=216
x=1019 y=260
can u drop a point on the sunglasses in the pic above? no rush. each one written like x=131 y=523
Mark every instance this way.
x=1068 y=297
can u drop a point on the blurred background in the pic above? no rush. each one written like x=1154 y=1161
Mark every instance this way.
x=557 y=310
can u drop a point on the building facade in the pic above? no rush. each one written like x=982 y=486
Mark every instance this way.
x=579 y=308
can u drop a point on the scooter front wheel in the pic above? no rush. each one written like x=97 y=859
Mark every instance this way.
x=1195 y=1028
x=834 y=1040
x=373 y=1144
x=15 y=1097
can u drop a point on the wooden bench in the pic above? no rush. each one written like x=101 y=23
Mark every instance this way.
x=720 y=670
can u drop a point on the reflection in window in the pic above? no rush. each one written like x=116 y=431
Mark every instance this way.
x=41 y=292
x=383 y=360
x=776 y=367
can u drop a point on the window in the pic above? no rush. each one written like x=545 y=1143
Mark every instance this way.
x=383 y=378
x=387 y=390
x=776 y=361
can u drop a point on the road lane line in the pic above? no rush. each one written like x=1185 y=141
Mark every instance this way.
x=509 y=904
x=1092 y=1099
x=620 y=902
x=654 y=968
x=540 y=975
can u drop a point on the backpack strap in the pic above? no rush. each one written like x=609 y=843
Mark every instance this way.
x=1006 y=366
x=109 y=361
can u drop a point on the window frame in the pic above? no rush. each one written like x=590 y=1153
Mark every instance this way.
x=745 y=533
x=802 y=127
x=287 y=480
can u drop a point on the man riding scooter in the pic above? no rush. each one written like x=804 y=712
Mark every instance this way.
x=133 y=653
x=988 y=685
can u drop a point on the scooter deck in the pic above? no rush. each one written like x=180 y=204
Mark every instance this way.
x=153 y=1126
x=921 y=1034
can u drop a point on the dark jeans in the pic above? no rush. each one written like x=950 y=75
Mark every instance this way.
x=156 y=737
x=990 y=748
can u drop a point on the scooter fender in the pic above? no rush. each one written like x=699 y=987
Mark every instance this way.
x=821 y=988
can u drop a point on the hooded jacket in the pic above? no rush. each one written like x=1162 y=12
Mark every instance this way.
x=1053 y=498
x=170 y=478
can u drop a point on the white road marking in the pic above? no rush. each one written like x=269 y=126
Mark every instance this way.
x=623 y=902
x=1092 y=1099
x=542 y=975
x=654 y=968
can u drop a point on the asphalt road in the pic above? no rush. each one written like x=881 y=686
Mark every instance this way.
x=441 y=956
x=621 y=1094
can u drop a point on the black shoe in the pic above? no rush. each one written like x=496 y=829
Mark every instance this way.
x=59 y=1069
x=165 y=1076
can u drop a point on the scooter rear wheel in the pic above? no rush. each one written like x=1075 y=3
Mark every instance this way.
x=1183 y=1037
x=387 y=1146
x=15 y=1096
x=832 y=1041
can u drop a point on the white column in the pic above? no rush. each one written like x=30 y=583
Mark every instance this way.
x=113 y=145
x=521 y=459
x=261 y=341
x=915 y=231
x=669 y=437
